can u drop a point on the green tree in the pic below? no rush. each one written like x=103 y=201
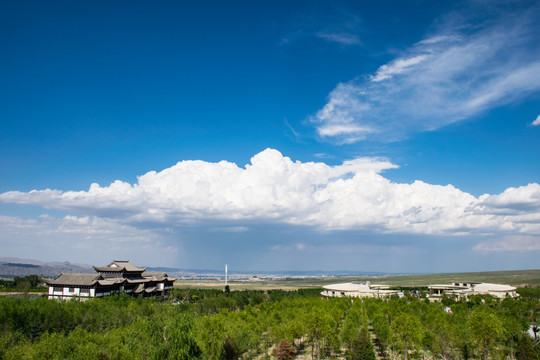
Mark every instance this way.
x=350 y=331
x=443 y=332
x=180 y=338
x=406 y=332
x=362 y=348
x=320 y=327
x=211 y=336
x=525 y=349
x=486 y=329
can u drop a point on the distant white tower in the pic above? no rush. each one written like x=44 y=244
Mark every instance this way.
x=226 y=275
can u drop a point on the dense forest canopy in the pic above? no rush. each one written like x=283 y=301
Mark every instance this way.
x=274 y=324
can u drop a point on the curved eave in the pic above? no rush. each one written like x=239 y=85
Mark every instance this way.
x=108 y=269
x=64 y=284
x=137 y=281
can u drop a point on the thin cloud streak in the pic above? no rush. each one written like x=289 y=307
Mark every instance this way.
x=342 y=38
x=451 y=76
x=510 y=244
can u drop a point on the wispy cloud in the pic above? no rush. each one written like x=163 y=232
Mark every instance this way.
x=398 y=66
x=297 y=136
x=274 y=189
x=450 y=76
x=510 y=244
x=343 y=38
x=537 y=121
x=82 y=237
x=334 y=26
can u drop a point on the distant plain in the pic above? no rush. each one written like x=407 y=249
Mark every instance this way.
x=518 y=278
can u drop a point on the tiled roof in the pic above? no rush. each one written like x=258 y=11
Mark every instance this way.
x=159 y=276
x=137 y=281
x=74 y=279
x=155 y=275
x=119 y=265
x=107 y=282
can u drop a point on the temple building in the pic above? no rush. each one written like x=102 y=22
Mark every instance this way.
x=118 y=277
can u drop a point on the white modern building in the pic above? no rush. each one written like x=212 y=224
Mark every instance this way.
x=119 y=276
x=357 y=290
x=465 y=289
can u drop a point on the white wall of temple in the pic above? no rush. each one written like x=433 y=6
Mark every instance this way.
x=58 y=292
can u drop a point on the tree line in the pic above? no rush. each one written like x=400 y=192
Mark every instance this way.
x=274 y=324
x=22 y=283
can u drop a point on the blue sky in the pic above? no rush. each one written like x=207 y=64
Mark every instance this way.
x=396 y=136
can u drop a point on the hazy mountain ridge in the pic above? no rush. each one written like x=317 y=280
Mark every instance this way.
x=11 y=267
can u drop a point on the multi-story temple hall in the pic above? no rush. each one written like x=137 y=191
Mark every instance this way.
x=118 y=277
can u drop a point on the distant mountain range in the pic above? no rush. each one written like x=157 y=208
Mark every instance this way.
x=11 y=267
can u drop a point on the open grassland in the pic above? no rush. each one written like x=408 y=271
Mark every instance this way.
x=519 y=278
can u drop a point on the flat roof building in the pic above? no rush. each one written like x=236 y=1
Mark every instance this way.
x=465 y=289
x=357 y=290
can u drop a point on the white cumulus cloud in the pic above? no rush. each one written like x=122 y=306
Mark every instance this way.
x=273 y=188
x=536 y=121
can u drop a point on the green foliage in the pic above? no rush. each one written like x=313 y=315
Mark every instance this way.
x=407 y=332
x=529 y=293
x=362 y=348
x=23 y=284
x=525 y=349
x=209 y=324
x=486 y=329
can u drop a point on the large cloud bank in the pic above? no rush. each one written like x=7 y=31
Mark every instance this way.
x=273 y=188
x=455 y=73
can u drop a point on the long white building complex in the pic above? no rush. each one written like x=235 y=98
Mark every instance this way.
x=460 y=290
x=357 y=290
x=119 y=276
x=465 y=289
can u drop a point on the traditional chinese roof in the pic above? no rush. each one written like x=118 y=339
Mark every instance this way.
x=137 y=281
x=74 y=279
x=111 y=281
x=123 y=272
x=119 y=266
x=159 y=276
